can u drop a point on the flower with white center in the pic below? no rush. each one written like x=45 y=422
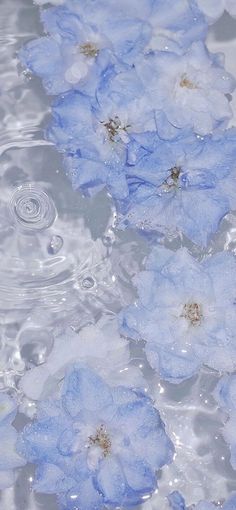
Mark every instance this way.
x=72 y=55
x=10 y=459
x=185 y=312
x=97 y=445
x=177 y=502
x=188 y=90
x=225 y=395
x=184 y=185
x=93 y=344
x=94 y=134
x=214 y=9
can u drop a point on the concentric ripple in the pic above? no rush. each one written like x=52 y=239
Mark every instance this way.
x=32 y=209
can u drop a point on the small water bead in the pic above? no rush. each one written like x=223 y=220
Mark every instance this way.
x=88 y=283
x=35 y=345
x=32 y=209
x=55 y=245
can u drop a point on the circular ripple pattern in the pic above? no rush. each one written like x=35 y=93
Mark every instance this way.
x=32 y=209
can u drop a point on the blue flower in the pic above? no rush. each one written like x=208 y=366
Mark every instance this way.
x=74 y=56
x=225 y=395
x=95 y=134
x=185 y=312
x=8 y=454
x=214 y=10
x=181 y=185
x=190 y=89
x=97 y=445
x=177 y=502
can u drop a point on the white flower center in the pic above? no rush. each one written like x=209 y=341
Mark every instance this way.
x=115 y=128
x=89 y=49
x=101 y=439
x=192 y=312
x=185 y=82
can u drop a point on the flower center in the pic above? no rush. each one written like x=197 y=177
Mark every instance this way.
x=185 y=82
x=114 y=126
x=173 y=179
x=101 y=439
x=89 y=50
x=193 y=313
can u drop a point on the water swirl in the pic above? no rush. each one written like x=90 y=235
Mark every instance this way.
x=32 y=209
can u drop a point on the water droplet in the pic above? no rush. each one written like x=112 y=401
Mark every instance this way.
x=55 y=245
x=32 y=209
x=35 y=345
x=88 y=283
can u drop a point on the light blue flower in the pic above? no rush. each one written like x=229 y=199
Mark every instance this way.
x=213 y=10
x=190 y=89
x=177 y=502
x=181 y=185
x=95 y=134
x=185 y=312
x=97 y=445
x=225 y=395
x=9 y=458
x=73 y=56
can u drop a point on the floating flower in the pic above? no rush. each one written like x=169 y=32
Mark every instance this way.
x=97 y=445
x=214 y=10
x=10 y=460
x=190 y=89
x=95 y=133
x=181 y=185
x=74 y=56
x=225 y=395
x=93 y=344
x=177 y=502
x=185 y=312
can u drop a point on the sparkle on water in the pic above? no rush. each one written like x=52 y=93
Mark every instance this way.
x=63 y=265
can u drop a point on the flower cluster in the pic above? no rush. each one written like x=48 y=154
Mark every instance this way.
x=225 y=395
x=143 y=111
x=185 y=312
x=177 y=502
x=96 y=445
x=138 y=99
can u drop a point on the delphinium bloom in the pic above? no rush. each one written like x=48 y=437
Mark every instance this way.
x=214 y=9
x=74 y=56
x=95 y=134
x=181 y=185
x=225 y=395
x=83 y=38
x=189 y=89
x=185 y=312
x=97 y=444
x=10 y=459
x=177 y=502
x=93 y=344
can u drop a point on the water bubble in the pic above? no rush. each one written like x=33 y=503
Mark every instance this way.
x=55 y=245
x=35 y=345
x=88 y=283
x=32 y=209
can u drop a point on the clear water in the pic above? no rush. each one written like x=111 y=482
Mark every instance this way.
x=62 y=264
